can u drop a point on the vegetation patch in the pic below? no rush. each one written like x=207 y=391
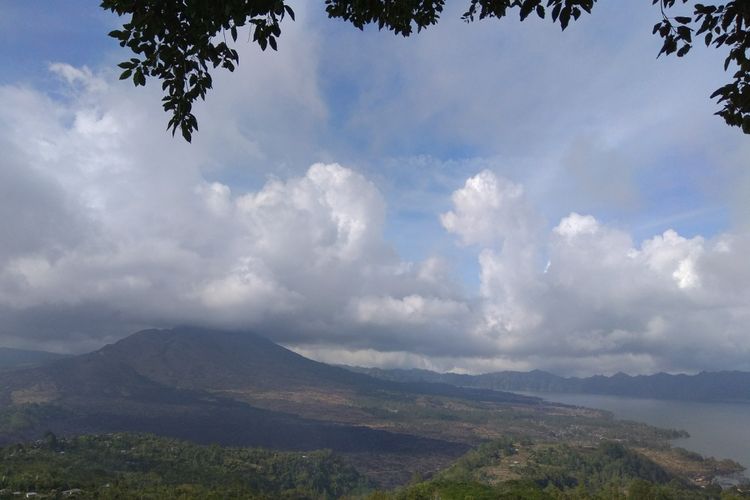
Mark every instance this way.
x=147 y=466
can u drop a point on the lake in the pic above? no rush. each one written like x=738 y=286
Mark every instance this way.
x=721 y=430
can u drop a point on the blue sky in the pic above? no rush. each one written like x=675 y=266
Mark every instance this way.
x=676 y=185
x=523 y=133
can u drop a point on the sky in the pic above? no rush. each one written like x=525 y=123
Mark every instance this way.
x=478 y=197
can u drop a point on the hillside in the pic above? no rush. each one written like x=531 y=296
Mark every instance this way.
x=147 y=466
x=123 y=465
x=194 y=358
x=239 y=389
x=239 y=362
x=705 y=386
x=233 y=388
x=167 y=364
x=17 y=358
x=513 y=470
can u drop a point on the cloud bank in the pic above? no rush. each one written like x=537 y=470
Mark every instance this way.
x=103 y=235
x=424 y=209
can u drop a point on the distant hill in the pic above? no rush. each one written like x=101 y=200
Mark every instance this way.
x=723 y=386
x=192 y=358
x=219 y=387
x=232 y=362
x=16 y=358
x=153 y=363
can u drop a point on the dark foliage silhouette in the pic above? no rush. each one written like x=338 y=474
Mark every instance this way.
x=179 y=42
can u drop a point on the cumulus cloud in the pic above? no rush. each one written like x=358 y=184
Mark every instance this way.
x=108 y=228
x=489 y=209
x=662 y=304
x=101 y=242
x=103 y=235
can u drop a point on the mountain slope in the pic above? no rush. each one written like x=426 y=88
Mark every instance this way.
x=218 y=360
x=239 y=362
x=146 y=466
x=156 y=363
x=16 y=358
x=240 y=389
x=224 y=387
x=172 y=383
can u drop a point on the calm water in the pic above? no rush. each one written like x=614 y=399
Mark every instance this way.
x=721 y=430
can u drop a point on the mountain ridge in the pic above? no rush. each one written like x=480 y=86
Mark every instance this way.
x=11 y=358
x=720 y=386
x=220 y=360
x=240 y=389
x=201 y=384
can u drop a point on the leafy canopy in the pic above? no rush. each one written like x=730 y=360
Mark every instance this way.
x=180 y=41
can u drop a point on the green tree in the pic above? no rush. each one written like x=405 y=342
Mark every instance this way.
x=50 y=440
x=178 y=42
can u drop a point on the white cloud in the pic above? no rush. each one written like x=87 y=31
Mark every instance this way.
x=78 y=76
x=407 y=311
x=109 y=226
x=576 y=224
x=487 y=210
x=112 y=236
x=602 y=297
x=329 y=214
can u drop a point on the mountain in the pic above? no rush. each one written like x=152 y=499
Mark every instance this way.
x=193 y=358
x=723 y=386
x=154 y=363
x=16 y=358
x=232 y=388
x=243 y=364
x=240 y=389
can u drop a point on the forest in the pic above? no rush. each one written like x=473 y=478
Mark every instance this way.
x=124 y=465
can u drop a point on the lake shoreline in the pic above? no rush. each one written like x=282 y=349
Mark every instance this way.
x=714 y=430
